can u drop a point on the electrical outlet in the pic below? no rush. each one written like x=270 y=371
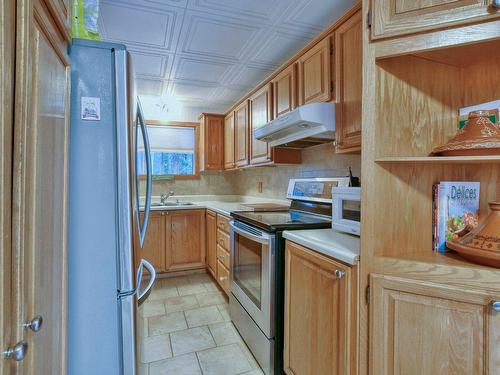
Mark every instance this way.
x=259 y=186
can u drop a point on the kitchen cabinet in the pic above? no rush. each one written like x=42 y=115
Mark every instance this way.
x=314 y=73
x=212 y=142
x=260 y=114
x=61 y=13
x=185 y=248
x=223 y=277
x=320 y=305
x=399 y=17
x=229 y=141
x=211 y=242
x=285 y=91
x=241 y=134
x=418 y=327
x=153 y=249
x=349 y=86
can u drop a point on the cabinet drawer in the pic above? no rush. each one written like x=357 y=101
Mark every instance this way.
x=223 y=240
x=223 y=277
x=223 y=256
x=223 y=223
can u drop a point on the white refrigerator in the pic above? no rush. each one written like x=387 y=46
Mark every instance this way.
x=104 y=286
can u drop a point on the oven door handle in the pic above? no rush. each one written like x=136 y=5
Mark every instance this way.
x=264 y=239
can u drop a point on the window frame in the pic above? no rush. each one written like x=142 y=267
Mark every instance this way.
x=196 y=127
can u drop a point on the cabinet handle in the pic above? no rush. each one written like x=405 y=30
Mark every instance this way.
x=34 y=324
x=162 y=214
x=495 y=305
x=223 y=278
x=339 y=274
x=17 y=352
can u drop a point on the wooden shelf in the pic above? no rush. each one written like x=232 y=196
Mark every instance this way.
x=441 y=159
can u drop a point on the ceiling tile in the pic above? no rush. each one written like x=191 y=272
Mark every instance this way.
x=248 y=76
x=192 y=91
x=147 y=64
x=149 y=28
x=198 y=70
x=146 y=86
x=215 y=37
x=279 y=47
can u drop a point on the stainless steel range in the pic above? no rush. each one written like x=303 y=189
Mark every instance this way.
x=258 y=260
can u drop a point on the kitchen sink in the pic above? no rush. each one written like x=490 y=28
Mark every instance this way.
x=171 y=204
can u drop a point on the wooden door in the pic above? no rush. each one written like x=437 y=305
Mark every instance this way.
x=7 y=59
x=315 y=76
x=260 y=115
x=241 y=134
x=154 y=246
x=213 y=141
x=229 y=141
x=185 y=240
x=349 y=78
x=400 y=17
x=211 y=242
x=285 y=91
x=423 y=328
x=317 y=313
x=41 y=189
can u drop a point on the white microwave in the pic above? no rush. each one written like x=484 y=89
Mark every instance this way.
x=346 y=206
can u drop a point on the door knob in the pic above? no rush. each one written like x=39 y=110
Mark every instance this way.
x=17 y=352
x=35 y=324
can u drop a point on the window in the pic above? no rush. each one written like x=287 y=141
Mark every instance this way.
x=173 y=150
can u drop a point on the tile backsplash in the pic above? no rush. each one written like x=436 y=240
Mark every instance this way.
x=318 y=161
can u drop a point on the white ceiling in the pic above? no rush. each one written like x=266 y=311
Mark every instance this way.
x=208 y=53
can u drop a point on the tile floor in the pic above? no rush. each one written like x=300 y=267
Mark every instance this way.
x=185 y=329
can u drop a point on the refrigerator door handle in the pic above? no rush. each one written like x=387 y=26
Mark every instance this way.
x=143 y=295
x=149 y=174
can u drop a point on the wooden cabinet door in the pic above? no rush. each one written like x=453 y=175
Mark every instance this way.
x=422 y=328
x=315 y=77
x=185 y=240
x=349 y=78
x=154 y=244
x=229 y=141
x=400 y=17
x=260 y=114
x=211 y=242
x=40 y=194
x=316 y=313
x=61 y=10
x=241 y=134
x=213 y=130
x=285 y=91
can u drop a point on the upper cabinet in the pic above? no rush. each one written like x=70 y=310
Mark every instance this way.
x=260 y=114
x=349 y=84
x=229 y=141
x=315 y=79
x=400 y=17
x=241 y=134
x=61 y=11
x=212 y=142
x=285 y=91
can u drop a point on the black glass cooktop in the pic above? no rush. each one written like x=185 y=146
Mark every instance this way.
x=283 y=220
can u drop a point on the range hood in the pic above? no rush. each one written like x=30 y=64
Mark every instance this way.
x=308 y=125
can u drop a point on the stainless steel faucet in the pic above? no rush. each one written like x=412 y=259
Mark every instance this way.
x=164 y=197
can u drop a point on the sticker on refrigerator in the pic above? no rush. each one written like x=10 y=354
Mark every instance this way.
x=91 y=108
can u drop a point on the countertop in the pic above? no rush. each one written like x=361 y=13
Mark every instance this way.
x=337 y=245
x=222 y=204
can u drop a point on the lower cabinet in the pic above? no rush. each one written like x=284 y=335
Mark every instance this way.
x=185 y=240
x=218 y=248
x=223 y=277
x=320 y=305
x=154 y=244
x=175 y=240
x=418 y=327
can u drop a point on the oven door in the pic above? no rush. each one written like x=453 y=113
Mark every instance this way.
x=252 y=273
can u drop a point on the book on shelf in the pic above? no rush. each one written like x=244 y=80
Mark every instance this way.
x=455 y=213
